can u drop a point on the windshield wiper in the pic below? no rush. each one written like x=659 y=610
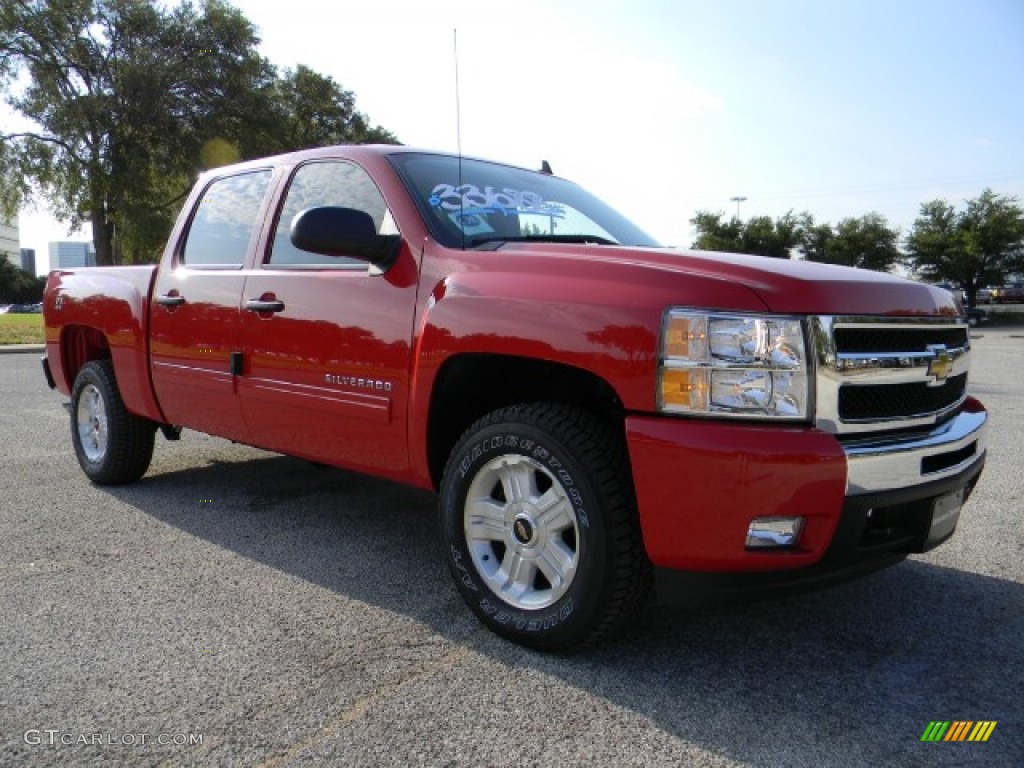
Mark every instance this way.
x=496 y=241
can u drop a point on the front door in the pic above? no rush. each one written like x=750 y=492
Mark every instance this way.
x=327 y=339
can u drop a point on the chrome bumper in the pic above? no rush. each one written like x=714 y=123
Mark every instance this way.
x=900 y=462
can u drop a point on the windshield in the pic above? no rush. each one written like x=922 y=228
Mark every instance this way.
x=483 y=202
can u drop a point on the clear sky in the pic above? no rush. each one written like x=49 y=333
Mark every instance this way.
x=666 y=107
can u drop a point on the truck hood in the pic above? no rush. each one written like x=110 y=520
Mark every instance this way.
x=783 y=285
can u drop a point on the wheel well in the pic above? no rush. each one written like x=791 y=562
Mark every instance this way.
x=80 y=345
x=470 y=386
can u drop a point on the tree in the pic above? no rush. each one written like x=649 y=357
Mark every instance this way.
x=130 y=100
x=17 y=286
x=817 y=240
x=867 y=242
x=313 y=110
x=977 y=246
x=113 y=86
x=714 y=234
x=758 y=235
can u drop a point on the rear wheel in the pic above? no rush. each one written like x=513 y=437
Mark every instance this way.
x=113 y=446
x=539 y=521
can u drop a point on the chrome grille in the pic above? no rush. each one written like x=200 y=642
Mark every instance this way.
x=891 y=401
x=879 y=374
x=874 y=339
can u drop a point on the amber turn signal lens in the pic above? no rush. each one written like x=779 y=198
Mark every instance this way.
x=684 y=389
x=686 y=337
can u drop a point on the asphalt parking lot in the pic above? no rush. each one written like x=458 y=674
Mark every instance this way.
x=238 y=608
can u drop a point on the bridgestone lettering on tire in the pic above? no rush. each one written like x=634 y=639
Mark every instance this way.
x=539 y=522
x=113 y=446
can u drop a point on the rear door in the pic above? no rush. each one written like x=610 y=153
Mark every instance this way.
x=327 y=339
x=194 y=317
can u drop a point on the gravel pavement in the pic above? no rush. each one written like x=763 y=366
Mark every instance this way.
x=239 y=608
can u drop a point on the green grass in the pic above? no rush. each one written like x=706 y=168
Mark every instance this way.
x=21 y=329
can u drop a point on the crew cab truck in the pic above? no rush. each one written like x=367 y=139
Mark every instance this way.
x=598 y=415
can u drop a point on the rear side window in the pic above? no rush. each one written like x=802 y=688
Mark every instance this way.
x=335 y=183
x=225 y=220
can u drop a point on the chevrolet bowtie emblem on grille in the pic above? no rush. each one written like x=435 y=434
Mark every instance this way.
x=941 y=365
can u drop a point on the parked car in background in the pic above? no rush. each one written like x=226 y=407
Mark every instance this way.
x=976 y=316
x=983 y=296
x=1011 y=293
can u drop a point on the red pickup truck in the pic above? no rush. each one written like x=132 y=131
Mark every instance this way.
x=598 y=415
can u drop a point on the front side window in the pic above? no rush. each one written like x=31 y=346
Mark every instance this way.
x=469 y=203
x=225 y=220
x=327 y=183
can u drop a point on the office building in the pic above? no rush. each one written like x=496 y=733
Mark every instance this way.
x=28 y=260
x=70 y=254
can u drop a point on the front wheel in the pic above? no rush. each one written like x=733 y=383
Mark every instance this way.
x=113 y=446
x=538 y=518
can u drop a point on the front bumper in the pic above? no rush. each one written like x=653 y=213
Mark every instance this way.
x=881 y=464
x=875 y=531
x=47 y=373
x=866 y=504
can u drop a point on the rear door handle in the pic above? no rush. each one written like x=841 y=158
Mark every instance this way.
x=170 y=300
x=263 y=305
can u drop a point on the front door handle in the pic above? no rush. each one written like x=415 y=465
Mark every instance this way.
x=170 y=300
x=264 y=305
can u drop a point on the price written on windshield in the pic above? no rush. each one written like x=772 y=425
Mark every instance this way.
x=450 y=197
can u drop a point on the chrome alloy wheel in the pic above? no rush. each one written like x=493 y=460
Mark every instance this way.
x=91 y=418
x=521 y=531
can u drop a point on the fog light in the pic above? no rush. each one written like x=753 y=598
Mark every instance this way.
x=774 y=532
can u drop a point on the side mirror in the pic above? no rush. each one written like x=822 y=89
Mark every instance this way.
x=333 y=231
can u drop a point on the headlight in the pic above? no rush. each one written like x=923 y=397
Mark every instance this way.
x=734 y=365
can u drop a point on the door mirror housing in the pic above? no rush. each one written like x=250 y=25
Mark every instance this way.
x=334 y=231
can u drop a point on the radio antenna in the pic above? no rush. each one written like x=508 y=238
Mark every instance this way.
x=458 y=136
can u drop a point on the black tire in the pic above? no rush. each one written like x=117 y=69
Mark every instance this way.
x=561 y=564
x=112 y=445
